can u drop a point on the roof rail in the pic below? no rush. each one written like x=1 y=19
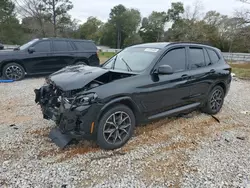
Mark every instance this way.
x=186 y=42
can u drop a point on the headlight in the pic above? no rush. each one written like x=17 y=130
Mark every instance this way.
x=83 y=99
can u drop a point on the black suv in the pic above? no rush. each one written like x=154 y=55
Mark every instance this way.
x=141 y=83
x=1 y=46
x=47 y=55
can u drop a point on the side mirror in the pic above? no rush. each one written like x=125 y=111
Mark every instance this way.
x=31 y=50
x=165 y=69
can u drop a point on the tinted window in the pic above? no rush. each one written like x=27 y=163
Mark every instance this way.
x=43 y=46
x=175 y=58
x=213 y=56
x=60 y=46
x=197 y=58
x=85 y=46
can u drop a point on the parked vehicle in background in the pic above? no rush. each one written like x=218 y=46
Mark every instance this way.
x=141 y=83
x=1 y=46
x=47 y=55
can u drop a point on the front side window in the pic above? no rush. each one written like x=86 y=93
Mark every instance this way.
x=197 y=58
x=27 y=45
x=132 y=59
x=43 y=46
x=176 y=58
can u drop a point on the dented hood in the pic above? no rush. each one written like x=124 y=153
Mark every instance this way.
x=76 y=77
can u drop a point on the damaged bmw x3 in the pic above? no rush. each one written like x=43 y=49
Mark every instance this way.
x=141 y=83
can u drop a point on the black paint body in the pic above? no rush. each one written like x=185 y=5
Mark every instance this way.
x=148 y=94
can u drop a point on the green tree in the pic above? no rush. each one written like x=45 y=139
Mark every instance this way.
x=56 y=10
x=152 y=29
x=108 y=35
x=174 y=13
x=91 y=29
x=10 y=29
x=122 y=26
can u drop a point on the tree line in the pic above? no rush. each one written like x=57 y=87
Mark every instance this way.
x=23 y=20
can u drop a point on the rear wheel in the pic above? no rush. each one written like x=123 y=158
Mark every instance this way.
x=115 y=127
x=214 y=101
x=13 y=71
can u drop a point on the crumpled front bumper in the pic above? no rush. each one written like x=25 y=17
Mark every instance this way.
x=72 y=124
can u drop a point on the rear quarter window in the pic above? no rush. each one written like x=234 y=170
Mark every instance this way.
x=82 y=46
x=213 y=56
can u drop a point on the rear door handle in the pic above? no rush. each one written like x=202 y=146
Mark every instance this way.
x=212 y=71
x=184 y=76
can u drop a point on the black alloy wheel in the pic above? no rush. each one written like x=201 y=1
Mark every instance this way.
x=215 y=101
x=13 y=71
x=115 y=127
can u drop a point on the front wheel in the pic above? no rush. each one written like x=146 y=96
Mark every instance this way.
x=214 y=101
x=13 y=71
x=116 y=127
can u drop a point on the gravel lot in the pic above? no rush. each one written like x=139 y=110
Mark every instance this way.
x=192 y=151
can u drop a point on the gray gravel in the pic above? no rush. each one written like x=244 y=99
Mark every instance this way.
x=194 y=151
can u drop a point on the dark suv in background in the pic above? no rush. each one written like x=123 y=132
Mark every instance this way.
x=1 y=46
x=47 y=55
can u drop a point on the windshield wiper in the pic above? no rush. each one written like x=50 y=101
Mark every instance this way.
x=113 y=65
x=128 y=67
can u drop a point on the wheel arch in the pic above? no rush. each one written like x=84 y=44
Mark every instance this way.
x=12 y=61
x=127 y=101
x=85 y=60
x=221 y=84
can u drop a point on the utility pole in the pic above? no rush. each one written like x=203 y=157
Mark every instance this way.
x=54 y=16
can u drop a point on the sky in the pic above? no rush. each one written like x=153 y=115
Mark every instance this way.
x=101 y=8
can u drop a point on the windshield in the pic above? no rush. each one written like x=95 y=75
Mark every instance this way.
x=132 y=59
x=23 y=47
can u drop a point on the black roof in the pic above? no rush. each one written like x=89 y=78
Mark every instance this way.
x=57 y=38
x=161 y=45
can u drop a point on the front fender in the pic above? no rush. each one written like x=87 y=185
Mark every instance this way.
x=126 y=100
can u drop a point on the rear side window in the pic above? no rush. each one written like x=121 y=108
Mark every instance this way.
x=62 y=46
x=43 y=46
x=213 y=56
x=176 y=58
x=197 y=58
x=85 y=46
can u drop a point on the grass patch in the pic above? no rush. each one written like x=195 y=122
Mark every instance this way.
x=241 y=70
x=104 y=56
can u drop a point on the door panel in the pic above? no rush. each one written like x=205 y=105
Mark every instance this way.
x=164 y=92
x=201 y=74
x=63 y=54
x=159 y=93
x=39 y=61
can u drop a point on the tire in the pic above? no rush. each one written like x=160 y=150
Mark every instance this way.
x=118 y=133
x=80 y=63
x=13 y=71
x=214 y=101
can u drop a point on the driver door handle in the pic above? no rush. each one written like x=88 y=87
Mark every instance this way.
x=212 y=71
